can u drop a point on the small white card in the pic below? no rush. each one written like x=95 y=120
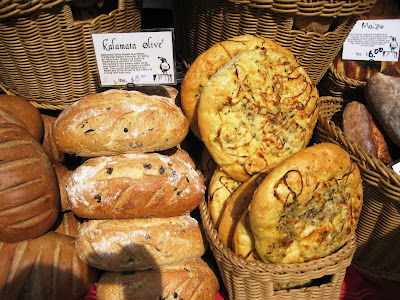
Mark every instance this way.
x=376 y=40
x=396 y=167
x=139 y=58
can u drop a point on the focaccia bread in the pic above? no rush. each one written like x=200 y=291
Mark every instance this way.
x=134 y=186
x=308 y=206
x=190 y=280
x=118 y=121
x=220 y=189
x=140 y=244
x=207 y=64
x=257 y=110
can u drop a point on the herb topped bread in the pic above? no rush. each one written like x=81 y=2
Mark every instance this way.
x=308 y=206
x=258 y=109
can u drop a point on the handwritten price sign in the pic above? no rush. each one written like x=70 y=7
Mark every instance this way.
x=376 y=40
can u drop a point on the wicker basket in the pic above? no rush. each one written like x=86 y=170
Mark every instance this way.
x=47 y=57
x=201 y=24
x=254 y=280
x=378 y=231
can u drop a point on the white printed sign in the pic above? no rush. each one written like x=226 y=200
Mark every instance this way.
x=140 y=58
x=376 y=40
x=396 y=167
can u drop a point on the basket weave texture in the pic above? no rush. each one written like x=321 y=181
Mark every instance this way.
x=378 y=231
x=47 y=57
x=254 y=280
x=201 y=24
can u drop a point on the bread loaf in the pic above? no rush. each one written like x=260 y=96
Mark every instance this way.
x=55 y=155
x=25 y=112
x=67 y=223
x=139 y=244
x=190 y=280
x=117 y=121
x=63 y=174
x=134 y=186
x=29 y=195
x=44 y=268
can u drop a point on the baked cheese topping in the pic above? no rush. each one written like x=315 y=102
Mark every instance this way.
x=257 y=110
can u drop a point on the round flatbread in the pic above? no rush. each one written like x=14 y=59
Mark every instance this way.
x=207 y=64
x=257 y=110
x=243 y=240
x=308 y=206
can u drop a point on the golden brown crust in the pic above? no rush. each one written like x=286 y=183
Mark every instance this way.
x=139 y=244
x=117 y=121
x=207 y=64
x=29 y=198
x=63 y=174
x=258 y=109
x=55 y=155
x=192 y=280
x=68 y=223
x=134 y=186
x=243 y=240
x=308 y=206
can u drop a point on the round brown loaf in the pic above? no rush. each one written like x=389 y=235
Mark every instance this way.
x=25 y=112
x=29 y=195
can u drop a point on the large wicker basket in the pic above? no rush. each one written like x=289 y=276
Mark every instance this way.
x=254 y=280
x=201 y=24
x=378 y=231
x=47 y=57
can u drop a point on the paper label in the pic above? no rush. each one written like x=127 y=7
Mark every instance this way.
x=141 y=58
x=396 y=167
x=376 y=40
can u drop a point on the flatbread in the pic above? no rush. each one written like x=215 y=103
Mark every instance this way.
x=308 y=206
x=243 y=240
x=207 y=64
x=257 y=110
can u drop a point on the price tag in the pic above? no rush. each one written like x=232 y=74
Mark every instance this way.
x=396 y=166
x=376 y=40
x=141 y=58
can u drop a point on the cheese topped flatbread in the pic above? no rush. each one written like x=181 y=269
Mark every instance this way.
x=257 y=110
x=308 y=206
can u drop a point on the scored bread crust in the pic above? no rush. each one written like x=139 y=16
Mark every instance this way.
x=257 y=110
x=308 y=206
x=207 y=64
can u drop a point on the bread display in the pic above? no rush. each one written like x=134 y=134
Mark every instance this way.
x=189 y=280
x=308 y=206
x=55 y=155
x=46 y=267
x=134 y=186
x=139 y=244
x=118 y=121
x=29 y=194
x=257 y=110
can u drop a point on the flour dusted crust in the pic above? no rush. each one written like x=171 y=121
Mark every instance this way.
x=308 y=206
x=207 y=64
x=220 y=189
x=257 y=110
x=140 y=243
x=118 y=121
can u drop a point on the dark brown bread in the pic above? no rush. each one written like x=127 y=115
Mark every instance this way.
x=193 y=280
x=44 y=268
x=29 y=195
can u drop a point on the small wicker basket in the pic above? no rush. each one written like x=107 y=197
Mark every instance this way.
x=47 y=57
x=254 y=280
x=378 y=231
x=201 y=24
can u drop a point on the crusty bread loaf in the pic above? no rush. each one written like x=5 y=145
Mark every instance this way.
x=29 y=195
x=25 y=112
x=46 y=267
x=63 y=174
x=360 y=127
x=190 y=280
x=134 y=186
x=67 y=223
x=139 y=244
x=55 y=155
x=8 y=118
x=117 y=121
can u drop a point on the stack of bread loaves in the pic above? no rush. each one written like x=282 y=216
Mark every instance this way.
x=37 y=254
x=136 y=188
x=272 y=197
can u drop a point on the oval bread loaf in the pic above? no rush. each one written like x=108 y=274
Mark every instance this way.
x=139 y=244
x=134 y=186
x=117 y=121
x=29 y=195
x=46 y=267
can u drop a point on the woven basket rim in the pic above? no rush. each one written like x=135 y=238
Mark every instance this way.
x=269 y=270
x=15 y=9
x=349 y=81
x=387 y=178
